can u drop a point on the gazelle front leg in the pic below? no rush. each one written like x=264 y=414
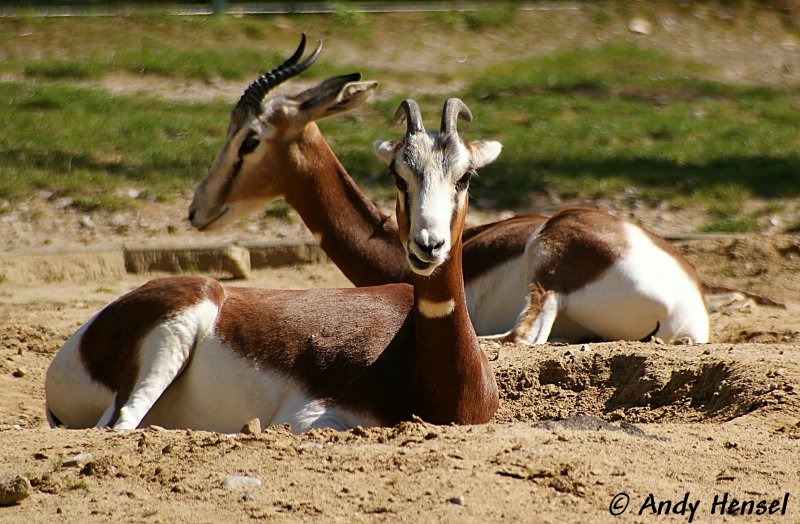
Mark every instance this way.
x=163 y=354
x=536 y=321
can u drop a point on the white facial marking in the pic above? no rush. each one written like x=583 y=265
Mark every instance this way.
x=431 y=309
x=431 y=171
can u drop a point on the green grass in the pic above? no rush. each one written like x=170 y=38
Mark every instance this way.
x=593 y=122
x=199 y=48
x=586 y=123
x=81 y=484
x=730 y=225
x=88 y=145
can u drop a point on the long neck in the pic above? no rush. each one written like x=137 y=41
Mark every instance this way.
x=351 y=230
x=453 y=381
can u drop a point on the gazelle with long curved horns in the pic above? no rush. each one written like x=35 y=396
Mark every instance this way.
x=582 y=275
x=187 y=352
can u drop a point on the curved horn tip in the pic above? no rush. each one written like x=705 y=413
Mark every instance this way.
x=298 y=53
x=409 y=111
x=401 y=115
x=315 y=53
x=454 y=108
x=462 y=110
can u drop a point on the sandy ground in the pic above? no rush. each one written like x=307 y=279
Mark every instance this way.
x=577 y=427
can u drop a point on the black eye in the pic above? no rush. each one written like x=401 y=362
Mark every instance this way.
x=401 y=184
x=249 y=144
x=463 y=182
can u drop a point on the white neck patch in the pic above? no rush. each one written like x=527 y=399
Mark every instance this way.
x=431 y=309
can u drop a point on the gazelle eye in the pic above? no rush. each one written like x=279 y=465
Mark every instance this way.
x=463 y=182
x=401 y=184
x=249 y=144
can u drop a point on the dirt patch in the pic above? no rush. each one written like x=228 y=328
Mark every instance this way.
x=577 y=425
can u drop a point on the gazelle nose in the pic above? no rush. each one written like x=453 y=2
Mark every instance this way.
x=191 y=214
x=428 y=243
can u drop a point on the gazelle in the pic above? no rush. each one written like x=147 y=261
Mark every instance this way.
x=582 y=274
x=187 y=352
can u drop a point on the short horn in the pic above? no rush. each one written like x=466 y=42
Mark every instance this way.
x=409 y=111
x=453 y=109
x=254 y=95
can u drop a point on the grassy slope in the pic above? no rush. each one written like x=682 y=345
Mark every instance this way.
x=595 y=121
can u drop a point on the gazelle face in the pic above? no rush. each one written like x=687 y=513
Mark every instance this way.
x=432 y=173
x=241 y=179
x=270 y=140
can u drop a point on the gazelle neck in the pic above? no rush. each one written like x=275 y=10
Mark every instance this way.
x=359 y=239
x=448 y=355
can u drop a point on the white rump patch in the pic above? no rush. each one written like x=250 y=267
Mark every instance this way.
x=431 y=309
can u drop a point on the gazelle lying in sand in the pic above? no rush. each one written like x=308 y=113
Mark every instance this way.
x=187 y=352
x=579 y=275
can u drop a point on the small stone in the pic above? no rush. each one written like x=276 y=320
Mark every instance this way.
x=19 y=373
x=240 y=481
x=458 y=501
x=87 y=222
x=118 y=220
x=14 y=491
x=252 y=428
x=81 y=459
x=640 y=26
x=248 y=497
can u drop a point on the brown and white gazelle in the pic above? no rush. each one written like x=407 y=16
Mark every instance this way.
x=583 y=274
x=187 y=352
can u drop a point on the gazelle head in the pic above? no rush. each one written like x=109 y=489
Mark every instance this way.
x=432 y=172
x=268 y=135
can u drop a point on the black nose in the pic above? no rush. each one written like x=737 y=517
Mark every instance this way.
x=430 y=247
x=191 y=214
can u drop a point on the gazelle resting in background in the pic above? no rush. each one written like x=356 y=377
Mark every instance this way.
x=582 y=274
x=187 y=352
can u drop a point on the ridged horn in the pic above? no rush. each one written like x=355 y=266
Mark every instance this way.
x=409 y=111
x=453 y=109
x=254 y=95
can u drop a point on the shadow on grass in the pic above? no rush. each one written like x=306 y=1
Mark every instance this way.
x=63 y=161
x=508 y=183
x=57 y=161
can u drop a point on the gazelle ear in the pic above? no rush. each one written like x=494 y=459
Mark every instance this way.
x=483 y=152
x=385 y=149
x=333 y=96
x=351 y=96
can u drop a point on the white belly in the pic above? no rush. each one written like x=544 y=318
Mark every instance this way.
x=221 y=391
x=496 y=298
